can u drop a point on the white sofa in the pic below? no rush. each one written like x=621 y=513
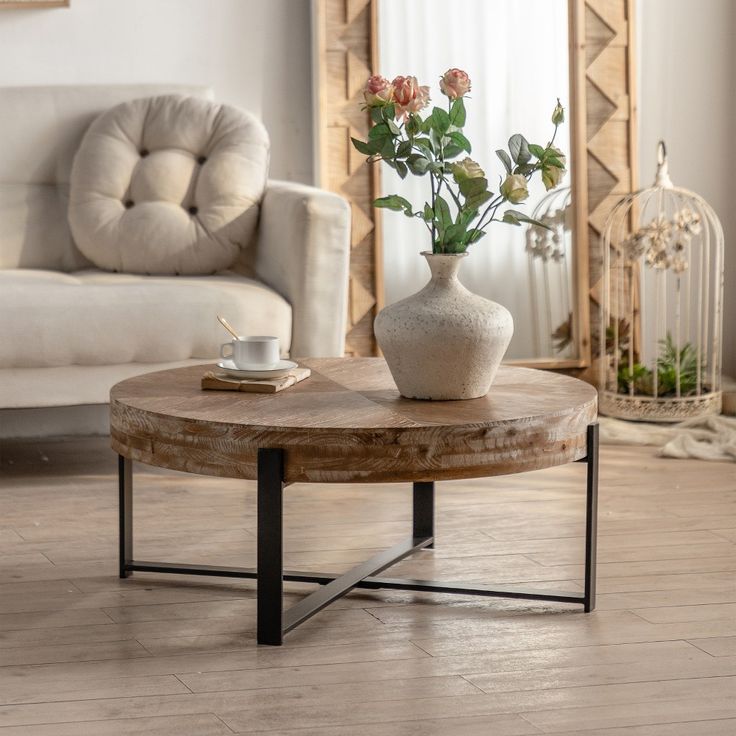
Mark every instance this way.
x=69 y=331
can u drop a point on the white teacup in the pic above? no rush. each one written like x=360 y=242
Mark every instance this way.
x=256 y=352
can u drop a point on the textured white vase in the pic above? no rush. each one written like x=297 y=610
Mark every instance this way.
x=444 y=342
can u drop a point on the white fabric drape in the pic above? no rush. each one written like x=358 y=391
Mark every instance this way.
x=703 y=438
x=516 y=54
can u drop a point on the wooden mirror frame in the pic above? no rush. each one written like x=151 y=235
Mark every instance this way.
x=603 y=147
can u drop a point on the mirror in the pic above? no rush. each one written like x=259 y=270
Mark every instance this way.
x=517 y=55
x=601 y=120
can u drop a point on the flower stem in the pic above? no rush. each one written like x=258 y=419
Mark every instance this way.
x=495 y=204
x=434 y=233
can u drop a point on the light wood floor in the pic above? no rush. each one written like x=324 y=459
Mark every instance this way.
x=82 y=652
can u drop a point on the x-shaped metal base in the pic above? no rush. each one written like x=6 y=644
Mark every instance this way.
x=274 y=622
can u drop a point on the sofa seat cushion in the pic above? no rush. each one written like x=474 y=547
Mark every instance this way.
x=93 y=318
x=168 y=185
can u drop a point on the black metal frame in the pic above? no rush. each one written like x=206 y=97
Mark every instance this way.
x=273 y=622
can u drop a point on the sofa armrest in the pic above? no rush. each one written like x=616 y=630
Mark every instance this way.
x=303 y=253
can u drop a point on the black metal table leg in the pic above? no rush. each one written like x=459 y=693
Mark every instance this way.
x=423 y=511
x=273 y=622
x=125 y=517
x=270 y=546
x=591 y=517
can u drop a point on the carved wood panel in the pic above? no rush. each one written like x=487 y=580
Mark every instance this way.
x=345 y=54
x=607 y=56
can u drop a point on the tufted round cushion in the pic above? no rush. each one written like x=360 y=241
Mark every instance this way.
x=168 y=185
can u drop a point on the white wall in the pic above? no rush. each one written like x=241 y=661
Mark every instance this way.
x=255 y=53
x=686 y=64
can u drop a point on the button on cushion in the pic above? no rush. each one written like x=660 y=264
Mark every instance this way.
x=159 y=235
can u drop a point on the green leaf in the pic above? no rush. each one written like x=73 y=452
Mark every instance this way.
x=467 y=215
x=514 y=217
x=519 y=149
x=525 y=169
x=393 y=202
x=402 y=170
x=536 y=150
x=505 y=160
x=377 y=114
x=442 y=212
x=451 y=150
x=440 y=120
x=413 y=125
x=455 y=233
x=417 y=164
x=454 y=239
x=393 y=127
x=389 y=111
x=425 y=145
x=362 y=147
x=379 y=131
x=457 y=113
x=436 y=139
x=404 y=149
x=554 y=161
x=428 y=213
x=477 y=200
x=460 y=140
x=473 y=187
x=376 y=145
x=475 y=236
x=388 y=150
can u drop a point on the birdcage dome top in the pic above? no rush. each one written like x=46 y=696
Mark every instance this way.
x=664 y=221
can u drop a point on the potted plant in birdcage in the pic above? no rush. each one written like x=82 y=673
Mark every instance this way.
x=445 y=342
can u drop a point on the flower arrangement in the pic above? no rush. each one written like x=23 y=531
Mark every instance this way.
x=664 y=241
x=461 y=204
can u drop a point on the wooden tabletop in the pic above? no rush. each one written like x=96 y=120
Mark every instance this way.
x=348 y=423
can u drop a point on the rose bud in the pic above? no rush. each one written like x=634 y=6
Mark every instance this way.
x=378 y=91
x=455 y=83
x=551 y=176
x=514 y=188
x=558 y=114
x=421 y=100
x=559 y=155
x=409 y=96
x=467 y=169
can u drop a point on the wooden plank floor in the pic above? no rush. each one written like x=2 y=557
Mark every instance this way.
x=82 y=652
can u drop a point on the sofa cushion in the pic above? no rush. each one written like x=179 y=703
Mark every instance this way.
x=40 y=131
x=97 y=318
x=168 y=185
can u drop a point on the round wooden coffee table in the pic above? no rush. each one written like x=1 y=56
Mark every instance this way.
x=347 y=423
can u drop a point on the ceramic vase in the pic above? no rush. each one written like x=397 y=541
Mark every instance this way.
x=444 y=342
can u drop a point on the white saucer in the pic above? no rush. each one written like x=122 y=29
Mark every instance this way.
x=281 y=369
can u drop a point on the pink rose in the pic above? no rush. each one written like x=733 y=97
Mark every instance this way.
x=455 y=83
x=378 y=91
x=409 y=96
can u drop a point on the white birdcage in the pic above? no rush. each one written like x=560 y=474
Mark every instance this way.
x=550 y=274
x=662 y=305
